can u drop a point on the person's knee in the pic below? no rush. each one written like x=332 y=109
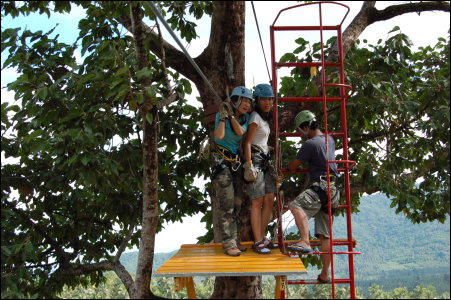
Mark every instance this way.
x=268 y=200
x=298 y=213
x=257 y=203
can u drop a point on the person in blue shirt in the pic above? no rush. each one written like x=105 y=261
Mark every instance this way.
x=230 y=126
x=313 y=202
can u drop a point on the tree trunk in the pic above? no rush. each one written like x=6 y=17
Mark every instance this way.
x=223 y=64
x=150 y=208
x=150 y=214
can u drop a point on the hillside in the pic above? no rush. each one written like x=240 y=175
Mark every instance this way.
x=395 y=252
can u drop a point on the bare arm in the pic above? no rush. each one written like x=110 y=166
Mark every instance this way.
x=220 y=131
x=294 y=164
x=248 y=140
x=236 y=127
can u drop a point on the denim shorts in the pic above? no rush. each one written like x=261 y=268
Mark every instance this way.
x=265 y=183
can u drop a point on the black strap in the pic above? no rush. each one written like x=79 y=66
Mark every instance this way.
x=323 y=198
x=258 y=150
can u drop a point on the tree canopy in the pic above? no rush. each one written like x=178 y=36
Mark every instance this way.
x=72 y=188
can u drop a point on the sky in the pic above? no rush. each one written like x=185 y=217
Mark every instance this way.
x=422 y=29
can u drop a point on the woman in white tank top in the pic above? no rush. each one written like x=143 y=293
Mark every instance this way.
x=261 y=186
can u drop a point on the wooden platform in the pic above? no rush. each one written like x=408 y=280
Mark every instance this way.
x=210 y=260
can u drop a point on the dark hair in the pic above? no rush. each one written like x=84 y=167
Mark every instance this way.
x=265 y=116
x=313 y=125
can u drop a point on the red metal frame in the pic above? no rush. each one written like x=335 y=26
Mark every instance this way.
x=324 y=99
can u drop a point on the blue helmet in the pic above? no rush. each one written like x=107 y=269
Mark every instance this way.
x=263 y=90
x=242 y=91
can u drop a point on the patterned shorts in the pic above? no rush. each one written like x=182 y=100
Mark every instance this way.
x=310 y=203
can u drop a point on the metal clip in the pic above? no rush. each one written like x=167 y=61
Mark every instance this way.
x=236 y=166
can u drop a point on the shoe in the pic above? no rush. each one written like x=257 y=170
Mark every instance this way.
x=259 y=247
x=241 y=248
x=300 y=248
x=323 y=281
x=233 y=252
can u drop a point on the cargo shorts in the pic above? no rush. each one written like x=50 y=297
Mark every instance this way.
x=310 y=203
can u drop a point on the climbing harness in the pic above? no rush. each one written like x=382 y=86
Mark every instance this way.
x=320 y=188
x=224 y=158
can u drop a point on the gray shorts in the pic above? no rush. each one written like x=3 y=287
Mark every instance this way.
x=310 y=203
x=265 y=184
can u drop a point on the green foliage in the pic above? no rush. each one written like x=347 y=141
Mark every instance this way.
x=111 y=288
x=405 y=138
x=72 y=185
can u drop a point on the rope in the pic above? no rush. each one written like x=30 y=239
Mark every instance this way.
x=261 y=43
x=168 y=28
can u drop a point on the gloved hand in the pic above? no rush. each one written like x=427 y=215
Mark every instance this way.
x=225 y=110
x=250 y=173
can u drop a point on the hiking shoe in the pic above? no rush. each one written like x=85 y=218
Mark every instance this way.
x=233 y=252
x=241 y=248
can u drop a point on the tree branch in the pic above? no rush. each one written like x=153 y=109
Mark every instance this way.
x=128 y=237
x=175 y=58
x=63 y=256
x=397 y=10
x=85 y=269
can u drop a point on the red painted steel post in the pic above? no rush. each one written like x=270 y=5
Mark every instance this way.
x=276 y=138
x=346 y=158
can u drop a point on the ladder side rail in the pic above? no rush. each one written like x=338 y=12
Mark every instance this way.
x=275 y=111
x=346 y=158
x=326 y=132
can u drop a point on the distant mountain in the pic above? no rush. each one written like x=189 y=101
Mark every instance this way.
x=395 y=252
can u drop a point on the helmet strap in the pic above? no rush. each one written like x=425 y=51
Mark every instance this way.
x=306 y=132
x=237 y=103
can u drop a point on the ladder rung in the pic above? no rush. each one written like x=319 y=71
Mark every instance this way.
x=315 y=281
x=298 y=134
x=319 y=253
x=310 y=99
x=305 y=170
x=340 y=207
x=336 y=242
x=306 y=64
x=291 y=28
x=339 y=85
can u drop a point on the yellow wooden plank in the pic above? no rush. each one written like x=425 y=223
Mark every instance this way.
x=205 y=259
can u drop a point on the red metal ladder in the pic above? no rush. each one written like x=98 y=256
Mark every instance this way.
x=347 y=164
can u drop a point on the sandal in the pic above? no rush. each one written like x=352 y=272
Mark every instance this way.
x=322 y=280
x=269 y=244
x=300 y=248
x=259 y=247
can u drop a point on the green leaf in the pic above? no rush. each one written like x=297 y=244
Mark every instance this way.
x=33 y=135
x=149 y=118
x=396 y=28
